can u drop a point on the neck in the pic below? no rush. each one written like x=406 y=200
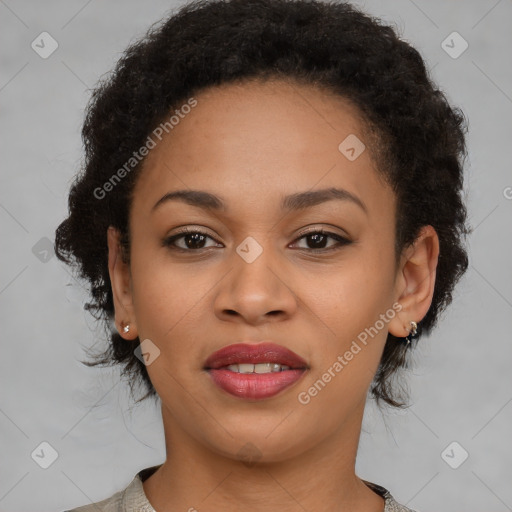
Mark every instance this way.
x=320 y=478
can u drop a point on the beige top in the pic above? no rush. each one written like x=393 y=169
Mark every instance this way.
x=133 y=498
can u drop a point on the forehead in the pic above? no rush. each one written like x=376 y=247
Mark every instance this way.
x=258 y=141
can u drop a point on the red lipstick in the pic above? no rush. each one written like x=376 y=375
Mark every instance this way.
x=255 y=371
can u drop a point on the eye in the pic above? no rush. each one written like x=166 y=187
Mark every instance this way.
x=318 y=238
x=193 y=239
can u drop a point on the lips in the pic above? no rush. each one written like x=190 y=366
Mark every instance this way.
x=243 y=353
x=254 y=386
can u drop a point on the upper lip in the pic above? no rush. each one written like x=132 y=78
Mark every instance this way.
x=263 y=352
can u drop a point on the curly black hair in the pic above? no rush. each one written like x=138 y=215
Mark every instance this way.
x=331 y=45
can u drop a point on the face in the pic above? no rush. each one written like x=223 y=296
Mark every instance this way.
x=273 y=257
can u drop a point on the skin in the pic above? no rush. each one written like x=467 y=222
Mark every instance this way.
x=251 y=144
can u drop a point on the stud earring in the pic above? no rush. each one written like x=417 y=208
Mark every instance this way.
x=412 y=332
x=126 y=328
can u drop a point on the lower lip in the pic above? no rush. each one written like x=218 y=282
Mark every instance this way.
x=255 y=386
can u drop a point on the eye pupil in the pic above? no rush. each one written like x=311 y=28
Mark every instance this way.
x=318 y=240
x=195 y=237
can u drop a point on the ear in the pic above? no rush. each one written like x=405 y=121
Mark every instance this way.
x=120 y=280
x=415 y=280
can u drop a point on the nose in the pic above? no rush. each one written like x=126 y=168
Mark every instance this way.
x=255 y=292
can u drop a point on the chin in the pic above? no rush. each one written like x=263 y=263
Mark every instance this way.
x=252 y=449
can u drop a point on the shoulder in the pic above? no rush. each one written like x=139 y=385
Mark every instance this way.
x=391 y=505
x=115 y=503
x=129 y=499
x=111 y=504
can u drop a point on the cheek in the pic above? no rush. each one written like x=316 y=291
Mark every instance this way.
x=348 y=356
x=166 y=296
x=351 y=302
x=351 y=297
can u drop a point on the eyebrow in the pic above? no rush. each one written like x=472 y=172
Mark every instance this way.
x=293 y=202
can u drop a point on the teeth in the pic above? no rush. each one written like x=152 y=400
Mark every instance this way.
x=266 y=367
x=246 y=368
x=258 y=368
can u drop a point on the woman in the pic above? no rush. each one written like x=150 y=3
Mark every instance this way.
x=270 y=212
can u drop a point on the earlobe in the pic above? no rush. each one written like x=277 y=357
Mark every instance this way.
x=415 y=281
x=119 y=272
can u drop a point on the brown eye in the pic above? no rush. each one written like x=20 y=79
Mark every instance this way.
x=193 y=240
x=318 y=240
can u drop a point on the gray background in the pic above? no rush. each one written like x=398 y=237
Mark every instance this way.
x=461 y=384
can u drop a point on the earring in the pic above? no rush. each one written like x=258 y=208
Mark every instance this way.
x=412 y=332
x=126 y=328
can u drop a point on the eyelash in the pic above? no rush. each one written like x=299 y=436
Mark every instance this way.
x=342 y=241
